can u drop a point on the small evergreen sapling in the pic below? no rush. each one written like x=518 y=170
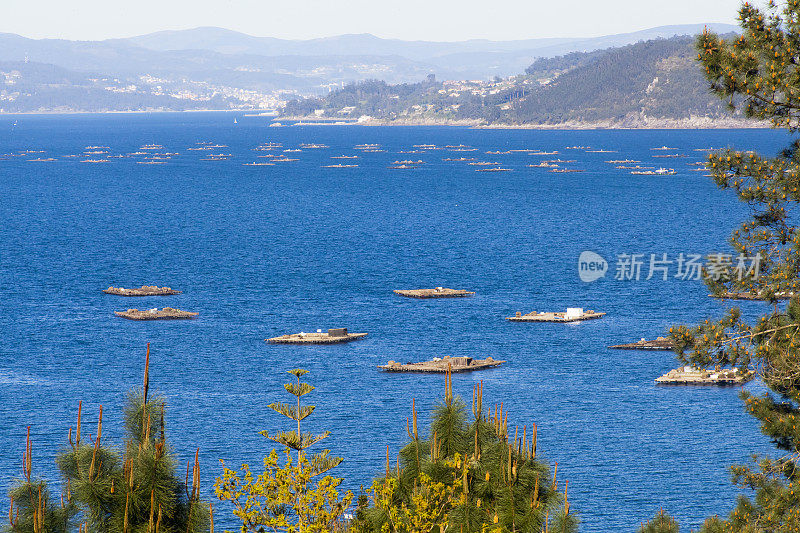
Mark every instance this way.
x=289 y=498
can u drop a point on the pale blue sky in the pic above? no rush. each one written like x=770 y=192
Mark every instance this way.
x=445 y=20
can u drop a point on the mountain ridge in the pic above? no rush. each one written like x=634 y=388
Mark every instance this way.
x=201 y=37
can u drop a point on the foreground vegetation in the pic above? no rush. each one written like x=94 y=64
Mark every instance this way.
x=758 y=73
x=137 y=490
x=462 y=475
x=466 y=475
x=287 y=498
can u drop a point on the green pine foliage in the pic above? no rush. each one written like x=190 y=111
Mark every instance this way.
x=758 y=74
x=34 y=511
x=132 y=488
x=140 y=488
x=32 y=507
x=661 y=523
x=479 y=476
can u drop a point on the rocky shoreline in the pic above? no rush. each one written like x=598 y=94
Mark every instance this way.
x=628 y=123
x=642 y=123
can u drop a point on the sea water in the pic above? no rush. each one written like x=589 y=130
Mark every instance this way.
x=260 y=251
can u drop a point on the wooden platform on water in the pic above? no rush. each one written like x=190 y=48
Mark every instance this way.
x=144 y=290
x=661 y=343
x=692 y=376
x=438 y=292
x=750 y=296
x=167 y=313
x=554 y=317
x=333 y=336
x=437 y=365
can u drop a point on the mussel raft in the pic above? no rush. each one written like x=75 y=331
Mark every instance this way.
x=333 y=336
x=167 y=313
x=144 y=290
x=688 y=375
x=750 y=296
x=444 y=364
x=573 y=314
x=661 y=343
x=438 y=292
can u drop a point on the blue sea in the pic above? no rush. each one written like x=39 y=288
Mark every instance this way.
x=260 y=251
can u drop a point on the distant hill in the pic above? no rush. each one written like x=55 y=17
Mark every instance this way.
x=122 y=58
x=648 y=83
x=36 y=87
x=659 y=79
x=214 y=68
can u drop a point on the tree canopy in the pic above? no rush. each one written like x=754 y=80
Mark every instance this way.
x=758 y=74
x=466 y=475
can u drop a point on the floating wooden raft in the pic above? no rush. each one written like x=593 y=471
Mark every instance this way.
x=144 y=290
x=692 y=376
x=331 y=337
x=167 y=313
x=555 y=317
x=438 y=292
x=750 y=296
x=453 y=364
x=661 y=343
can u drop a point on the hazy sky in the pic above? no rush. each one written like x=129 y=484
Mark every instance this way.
x=445 y=20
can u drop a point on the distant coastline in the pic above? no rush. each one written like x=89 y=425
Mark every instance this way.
x=125 y=112
x=646 y=123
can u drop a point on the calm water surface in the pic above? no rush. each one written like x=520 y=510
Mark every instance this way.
x=261 y=251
